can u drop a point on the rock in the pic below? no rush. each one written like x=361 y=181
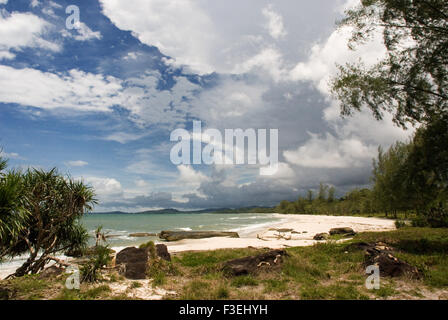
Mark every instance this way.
x=253 y=264
x=142 y=235
x=162 y=252
x=321 y=236
x=50 y=272
x=380 y=254
x=389 y=265
x=134 y=262
x=344 y=231
x=180 y=235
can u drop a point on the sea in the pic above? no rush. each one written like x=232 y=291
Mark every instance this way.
x=118 y=227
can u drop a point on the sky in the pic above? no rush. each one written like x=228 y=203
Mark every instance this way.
x=100 y=101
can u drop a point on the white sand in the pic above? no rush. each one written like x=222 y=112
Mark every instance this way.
x=306 y=227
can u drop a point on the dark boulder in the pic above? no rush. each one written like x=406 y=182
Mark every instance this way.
x=381 y=255
x=180 y=235
x=162 y=252
x=346 y=231
x=134 y=262
x=321 y=236
x=254 y=264
x=389 y=265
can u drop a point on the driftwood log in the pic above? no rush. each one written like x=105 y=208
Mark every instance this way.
x=180 y=235
x=254 y=264
x=142 y=235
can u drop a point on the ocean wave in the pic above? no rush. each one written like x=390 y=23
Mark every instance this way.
x=184 y=229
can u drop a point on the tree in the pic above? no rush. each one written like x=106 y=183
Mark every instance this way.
x=391 y=179
x=322 y=195
x=310 y=196
x=54 y=204
x=331 y=194
x=13 y=216
x=428 y=171
x=411 y=82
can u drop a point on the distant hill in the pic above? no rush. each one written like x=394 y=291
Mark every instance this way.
x=253 y=209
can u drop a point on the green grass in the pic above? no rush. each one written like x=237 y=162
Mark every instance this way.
x=324 y=271
x=101 y=291
x=244 y=281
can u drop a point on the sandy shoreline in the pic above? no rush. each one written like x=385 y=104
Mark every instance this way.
x=304 y=226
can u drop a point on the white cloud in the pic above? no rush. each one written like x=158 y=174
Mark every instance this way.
x=77 y=163
x=77 y=90
x=123 y=137
x=34 y=3
x=275 y=23
x=3 y=1
x=22 y=30
x=268 y=60
x=141 y=183
x=84 y=33
x=321 y=64
x=188 y=175
x=167 y=26
x=205 y=36
x=330 y=152
x=10 y=155
x=105 y=187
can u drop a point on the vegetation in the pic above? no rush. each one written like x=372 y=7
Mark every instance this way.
x=100 y=258
x=406 y=182
x=410 y=83
x=40 y=212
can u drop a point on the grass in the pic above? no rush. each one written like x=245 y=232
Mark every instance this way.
x=329 y=270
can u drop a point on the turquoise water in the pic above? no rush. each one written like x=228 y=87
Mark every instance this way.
x=119 y=226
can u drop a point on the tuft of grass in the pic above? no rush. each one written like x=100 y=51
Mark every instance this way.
x=99 y=292
x=222 y=292
x=196 y=290
x=274 y=285
x=150 y=247
x=135 y=285
x=96 y=292
x=244 y=281
x=159 y=279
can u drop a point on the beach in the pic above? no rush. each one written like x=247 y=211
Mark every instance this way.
x=304 y=227
x=257 y=235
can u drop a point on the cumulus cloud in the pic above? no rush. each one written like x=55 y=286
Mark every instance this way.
x=77 y=163
x=82 y=33
x=9 y=155
x=23 y=30
x=329 y=152
x=34 y=3
x=105 y=188
x=275 y=22
x=189 y=176
x=76 y=90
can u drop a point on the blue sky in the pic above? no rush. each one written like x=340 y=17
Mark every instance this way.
x=99 y=102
